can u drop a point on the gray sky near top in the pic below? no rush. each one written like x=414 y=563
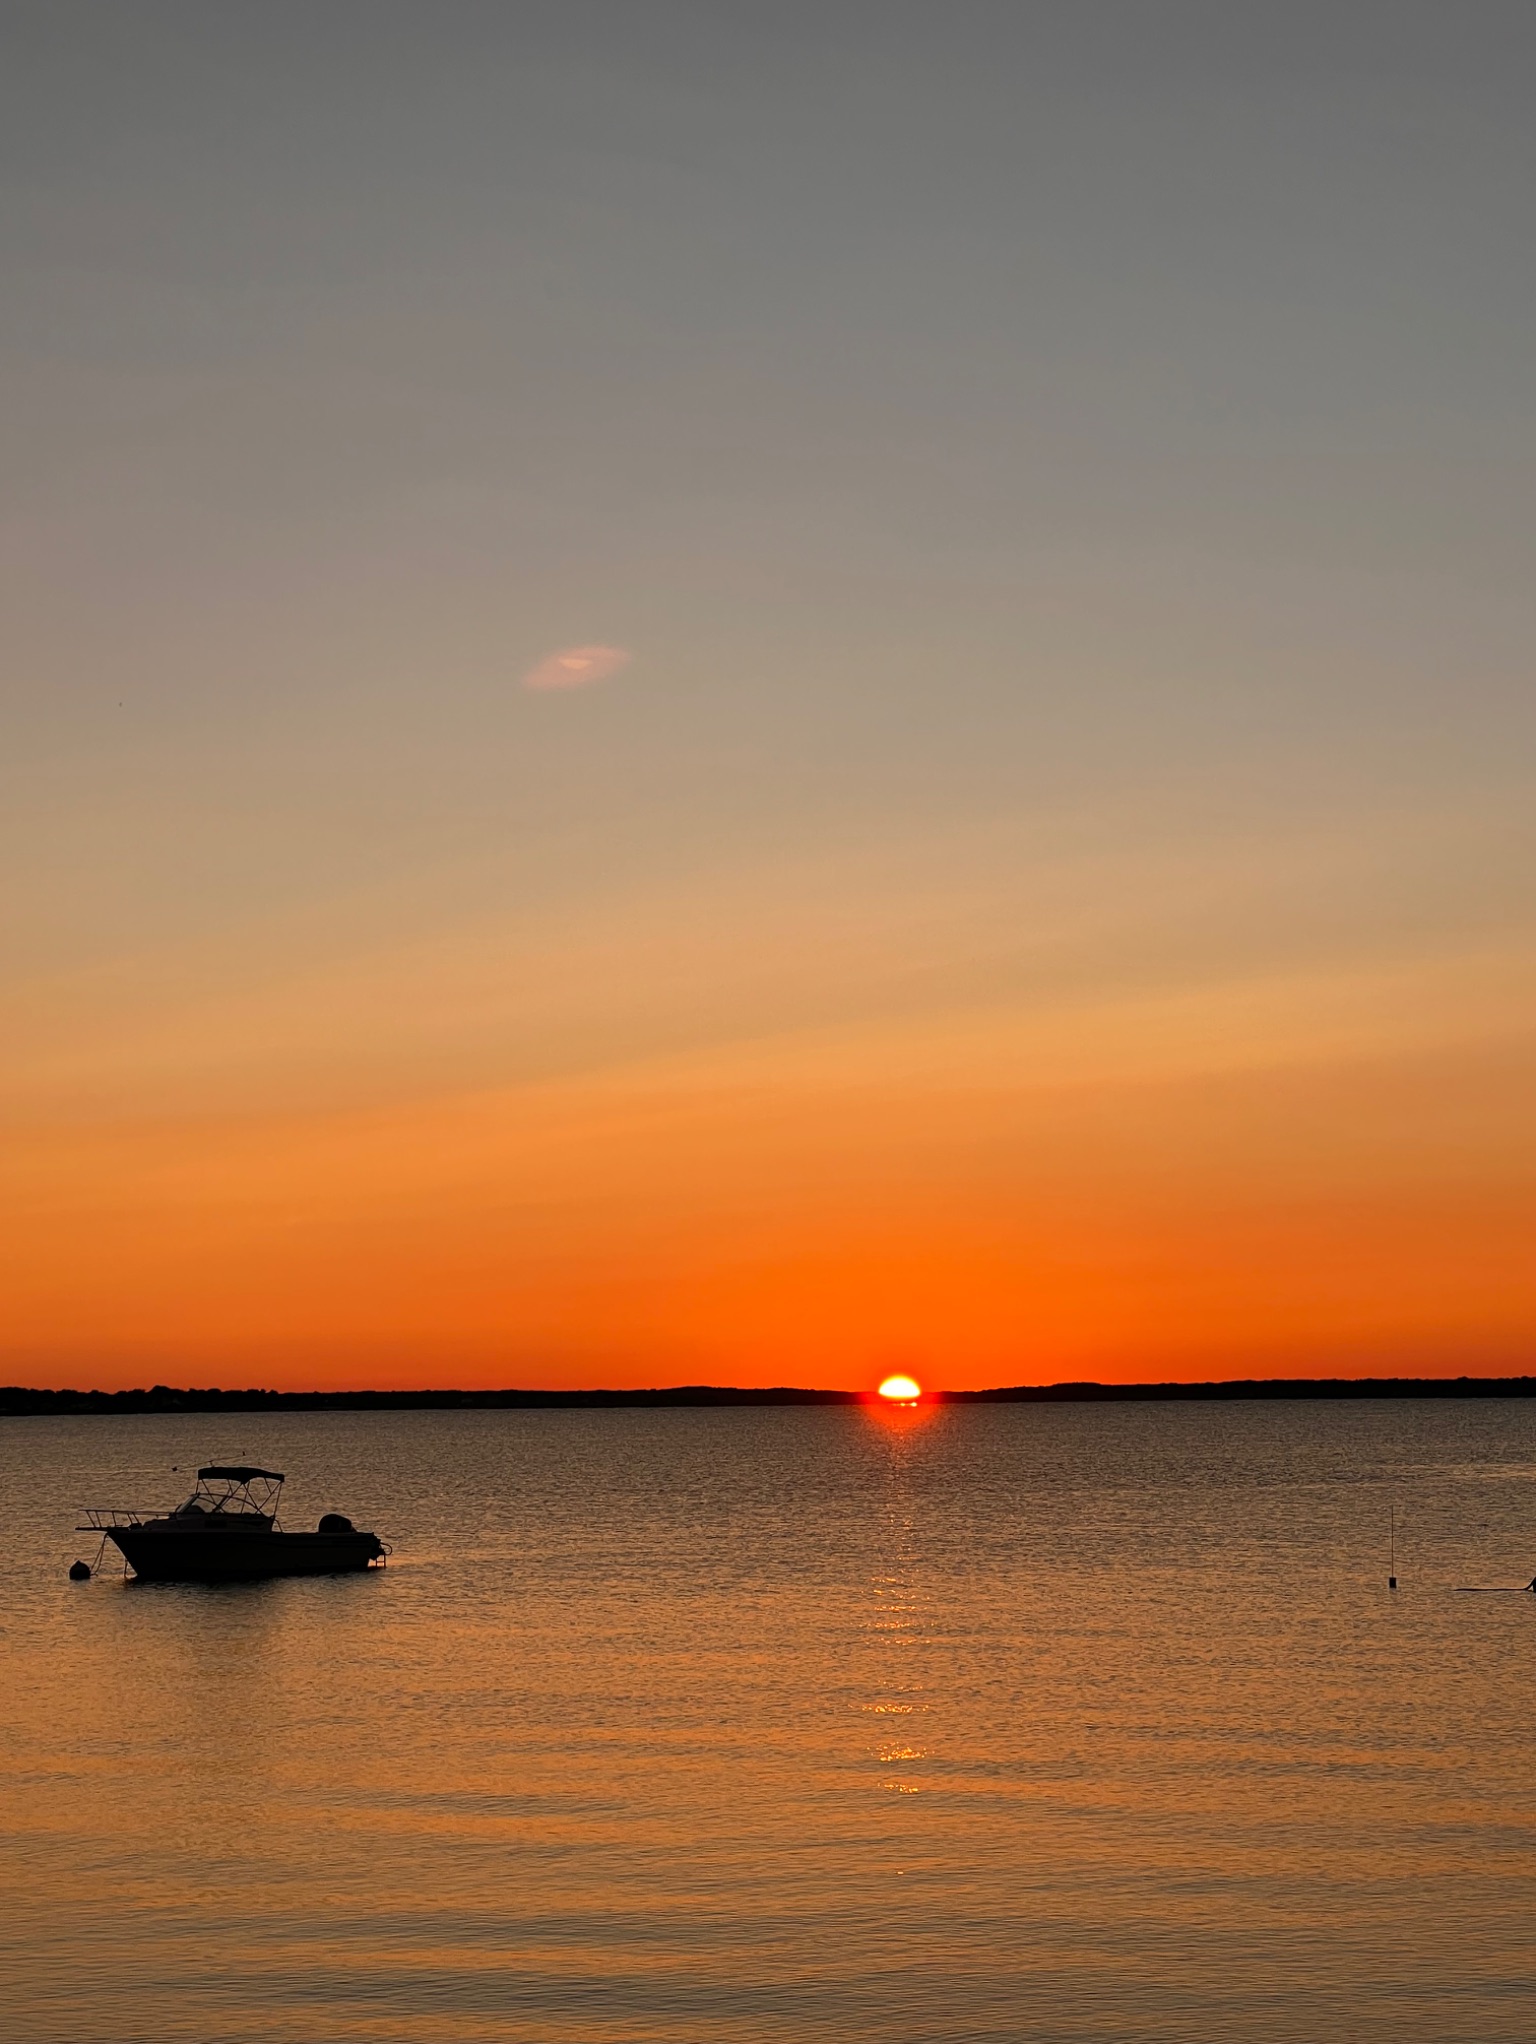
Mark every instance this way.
x=1118 y=411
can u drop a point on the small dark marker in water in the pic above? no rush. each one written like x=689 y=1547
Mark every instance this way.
x=79 y=1572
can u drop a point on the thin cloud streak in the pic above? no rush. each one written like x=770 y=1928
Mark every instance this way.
x=577 y=666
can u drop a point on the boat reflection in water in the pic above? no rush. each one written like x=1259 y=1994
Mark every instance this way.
x=227 y=1531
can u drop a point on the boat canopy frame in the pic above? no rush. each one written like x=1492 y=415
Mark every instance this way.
x=232 y=1490
x=225 y=1490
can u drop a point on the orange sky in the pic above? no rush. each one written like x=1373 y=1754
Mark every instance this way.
x=675 y=713
x=1302 y=1172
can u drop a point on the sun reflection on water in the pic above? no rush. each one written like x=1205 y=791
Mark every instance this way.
x=897 y=1620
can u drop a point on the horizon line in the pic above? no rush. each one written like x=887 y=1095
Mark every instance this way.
x=24 y=1401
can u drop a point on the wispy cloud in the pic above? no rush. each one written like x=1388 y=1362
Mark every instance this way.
x=576 y=666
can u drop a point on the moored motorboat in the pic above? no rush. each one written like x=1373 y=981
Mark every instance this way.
x=228 y=1531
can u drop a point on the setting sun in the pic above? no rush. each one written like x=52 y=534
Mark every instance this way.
x=901 y=1390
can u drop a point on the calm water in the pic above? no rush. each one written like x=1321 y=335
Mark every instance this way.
x=1060 y=1723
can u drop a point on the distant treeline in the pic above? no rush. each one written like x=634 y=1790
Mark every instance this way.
x=166 y=1398
x=17 y=1400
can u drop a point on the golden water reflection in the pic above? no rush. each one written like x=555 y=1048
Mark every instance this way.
x=634 y=1745
x=901 y=1594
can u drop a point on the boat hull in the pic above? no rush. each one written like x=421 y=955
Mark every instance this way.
x=235 y=1556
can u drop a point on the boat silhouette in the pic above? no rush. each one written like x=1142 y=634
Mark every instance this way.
x=228 y=1531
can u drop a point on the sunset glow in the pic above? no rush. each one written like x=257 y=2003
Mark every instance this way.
x=595 y=794
x=696 y=697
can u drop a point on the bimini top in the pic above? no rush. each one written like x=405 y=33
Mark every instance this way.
x=218 y=1470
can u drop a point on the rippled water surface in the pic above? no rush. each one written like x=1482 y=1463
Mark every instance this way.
x=1054 y=1723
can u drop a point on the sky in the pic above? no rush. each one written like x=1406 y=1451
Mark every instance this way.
x=748 y=693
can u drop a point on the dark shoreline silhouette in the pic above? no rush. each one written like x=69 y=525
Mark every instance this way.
x=17 y=1401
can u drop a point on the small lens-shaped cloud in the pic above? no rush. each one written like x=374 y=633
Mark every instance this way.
x=575 y=666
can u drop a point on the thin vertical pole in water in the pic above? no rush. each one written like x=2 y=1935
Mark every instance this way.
x=1392 y=1545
